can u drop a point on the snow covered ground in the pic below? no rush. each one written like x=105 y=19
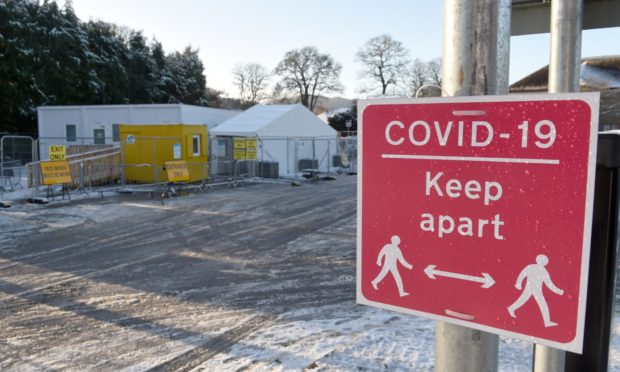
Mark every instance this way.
x=258 y=278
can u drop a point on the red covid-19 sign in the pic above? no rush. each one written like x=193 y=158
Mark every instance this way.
x=478 y=210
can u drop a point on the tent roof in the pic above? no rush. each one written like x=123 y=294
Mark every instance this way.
x=275 y=121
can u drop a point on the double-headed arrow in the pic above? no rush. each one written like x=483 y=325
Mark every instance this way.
x=486 y=279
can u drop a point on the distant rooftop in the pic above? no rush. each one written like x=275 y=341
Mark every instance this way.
x=597 y=74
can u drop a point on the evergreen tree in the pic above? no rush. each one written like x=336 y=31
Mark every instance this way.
x=141 y=70
x=339 y=121
x=187 y=71
x=49 y=57
x=108 y=59
x=165 y=84
x=19 y=91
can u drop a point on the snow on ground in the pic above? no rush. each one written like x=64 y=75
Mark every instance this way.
x=349 y=337
x=336 y=337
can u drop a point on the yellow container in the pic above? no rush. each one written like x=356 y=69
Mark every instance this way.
x=145 y=148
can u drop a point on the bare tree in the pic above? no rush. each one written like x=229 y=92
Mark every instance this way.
x=309 y=73
x=385 y=62
x=417 y=76
x=251 y=79
x=424 y=74
x=434 y=71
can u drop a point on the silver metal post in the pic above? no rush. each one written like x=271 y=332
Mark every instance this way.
x=82 y=186
x=123 y=166
x=547 y=359
x=2 y=168
x=565 y=64
x=564 y=74
x=476 y=47
x=475 y=62
x=287 y=155
x=155 y=170
x=329 y=156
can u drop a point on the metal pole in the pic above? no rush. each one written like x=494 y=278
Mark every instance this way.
x=564 y=69
x=155 y=170
x=476 y=47
x=2 y=168
x=329 y=156
x=82 y=186
x=123 y=167
x=288 y=155
x=603 y=260
x=475 y=62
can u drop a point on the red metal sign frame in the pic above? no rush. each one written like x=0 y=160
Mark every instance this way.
x=477 y=211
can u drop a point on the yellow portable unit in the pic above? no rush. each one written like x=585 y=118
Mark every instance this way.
x=145 y=149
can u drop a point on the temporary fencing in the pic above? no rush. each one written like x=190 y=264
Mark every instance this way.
x=286 y=157
x=15 y=151
x=140 y=165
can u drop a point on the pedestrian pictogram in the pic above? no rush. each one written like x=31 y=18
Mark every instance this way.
x=535 y=276
x=477 y=211
x=389 y=258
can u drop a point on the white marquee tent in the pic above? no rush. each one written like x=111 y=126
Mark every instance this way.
x=288 y=134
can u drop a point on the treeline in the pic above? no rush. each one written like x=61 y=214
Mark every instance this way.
x=49 y=57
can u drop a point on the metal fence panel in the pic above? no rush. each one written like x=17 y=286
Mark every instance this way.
x=139 y=165
x=15 y=152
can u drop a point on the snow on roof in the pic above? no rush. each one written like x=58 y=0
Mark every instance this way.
x=117 y=106
x=189 y=114
x=275 y=121
x=216 y=116
x=596 y=73
x=255 y=118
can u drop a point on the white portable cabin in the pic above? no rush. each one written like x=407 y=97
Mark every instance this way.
x=99 y=124
x=286 y=134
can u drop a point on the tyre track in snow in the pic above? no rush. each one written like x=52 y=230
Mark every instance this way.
x=274 y=239
x=257 y=229
x=198 y=355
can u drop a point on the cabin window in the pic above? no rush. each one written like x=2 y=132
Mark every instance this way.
x=71 y=132
x=196 y=145
x=116 y=134
x=99 y=136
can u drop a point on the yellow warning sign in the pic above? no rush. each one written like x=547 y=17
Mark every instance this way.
x=250 y=148
x=244 y=148
x=58 y=152
x=239 y=143
x=239 y=154
x=177 y=171
x=250 y=143
x=55 y=172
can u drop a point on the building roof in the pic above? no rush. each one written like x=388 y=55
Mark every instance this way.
x=597 y=73
x=286 y=121
x=120 y=106
x=190 y=114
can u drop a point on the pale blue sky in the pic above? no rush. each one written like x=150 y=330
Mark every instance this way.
x=241 y=31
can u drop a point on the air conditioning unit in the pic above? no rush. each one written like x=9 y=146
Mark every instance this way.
x=245 y=168
x=268 y=169
x=308 y=164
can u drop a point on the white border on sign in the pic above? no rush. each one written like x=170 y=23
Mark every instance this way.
x=593 y=101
